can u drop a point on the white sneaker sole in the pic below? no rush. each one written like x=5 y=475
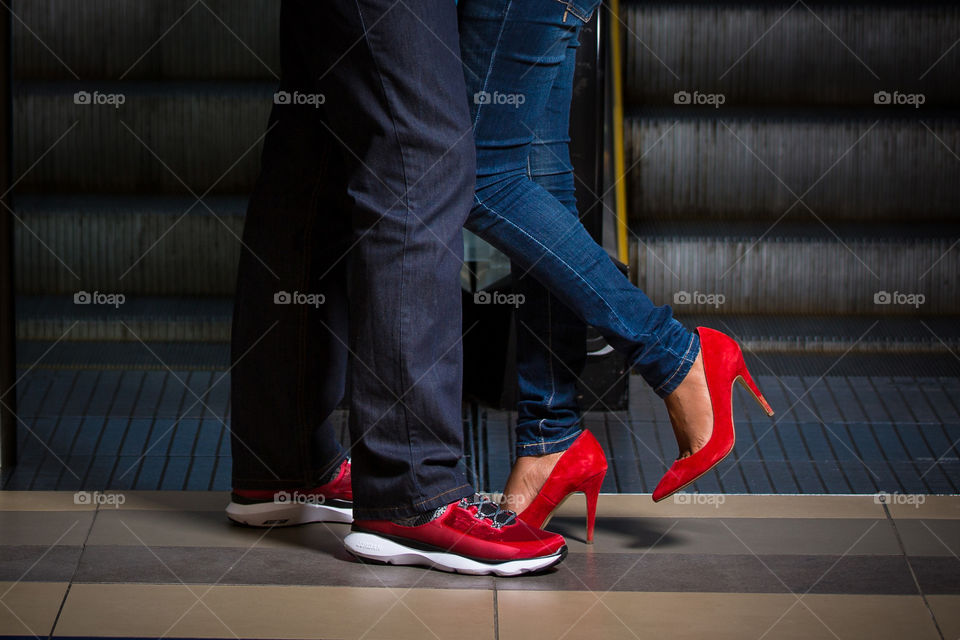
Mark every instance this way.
x=380 y=549
x=273 y=514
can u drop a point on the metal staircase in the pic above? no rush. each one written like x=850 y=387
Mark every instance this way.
x=798 y=159
x=798 y=195
x=144 y=198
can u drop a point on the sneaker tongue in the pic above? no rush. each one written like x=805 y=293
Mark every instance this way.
x=489 y=510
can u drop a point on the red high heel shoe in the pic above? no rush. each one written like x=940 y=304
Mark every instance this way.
x=579 y=470
x=723 y=365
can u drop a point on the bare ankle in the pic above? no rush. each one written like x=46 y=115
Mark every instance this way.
x=691 y=413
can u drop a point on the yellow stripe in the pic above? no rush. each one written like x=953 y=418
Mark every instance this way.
x=620 y=187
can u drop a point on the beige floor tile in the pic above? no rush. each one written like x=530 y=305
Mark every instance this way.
x=276 y=612
x=43 y=501
x=728 y=506
x=44 y=527
x=199 y=529
x=538 y=614
x=925 y=507
x=29 y=608
x=947 y=611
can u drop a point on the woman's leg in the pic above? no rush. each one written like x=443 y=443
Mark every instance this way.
x=512 y=54
x=551 y=339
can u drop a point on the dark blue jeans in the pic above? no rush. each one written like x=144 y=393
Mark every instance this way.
x=353 y=246
x=519 y=59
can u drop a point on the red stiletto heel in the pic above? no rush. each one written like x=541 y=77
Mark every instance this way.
x=591 y=489
x=723 y=365
x=580 y=469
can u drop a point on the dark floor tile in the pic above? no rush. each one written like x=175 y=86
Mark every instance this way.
x=326 y=564
x=37 y=563
x=937 y=574
x=725 y=574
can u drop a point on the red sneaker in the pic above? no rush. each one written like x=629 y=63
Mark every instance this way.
x=472 y=536
x=330 y=502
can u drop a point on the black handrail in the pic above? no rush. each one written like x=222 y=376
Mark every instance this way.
x=586 y=122
x=8 y=360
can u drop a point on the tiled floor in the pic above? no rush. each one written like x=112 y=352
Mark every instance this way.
x=168 y=564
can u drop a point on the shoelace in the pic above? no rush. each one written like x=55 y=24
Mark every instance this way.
x=487 y=509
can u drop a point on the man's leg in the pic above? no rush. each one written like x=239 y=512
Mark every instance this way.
x=394 y=100
x=288 y=344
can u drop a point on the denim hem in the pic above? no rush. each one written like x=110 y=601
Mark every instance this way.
x=328 y=470
x=544 y=447
x=312 y=479
x=415 y=509
x=683 y=368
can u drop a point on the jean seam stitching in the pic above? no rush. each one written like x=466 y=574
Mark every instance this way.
x=406 y=230
x=546 y=442
x=493 y=57
x=553 y=381
x=571 y=8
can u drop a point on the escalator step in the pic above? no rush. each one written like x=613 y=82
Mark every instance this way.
x=801 y=275
x=170 y=138
x=148 y=39
x=756 y=168
x=762 y=54
x=145 y=245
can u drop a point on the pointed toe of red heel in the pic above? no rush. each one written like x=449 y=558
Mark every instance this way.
x=723 y=365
